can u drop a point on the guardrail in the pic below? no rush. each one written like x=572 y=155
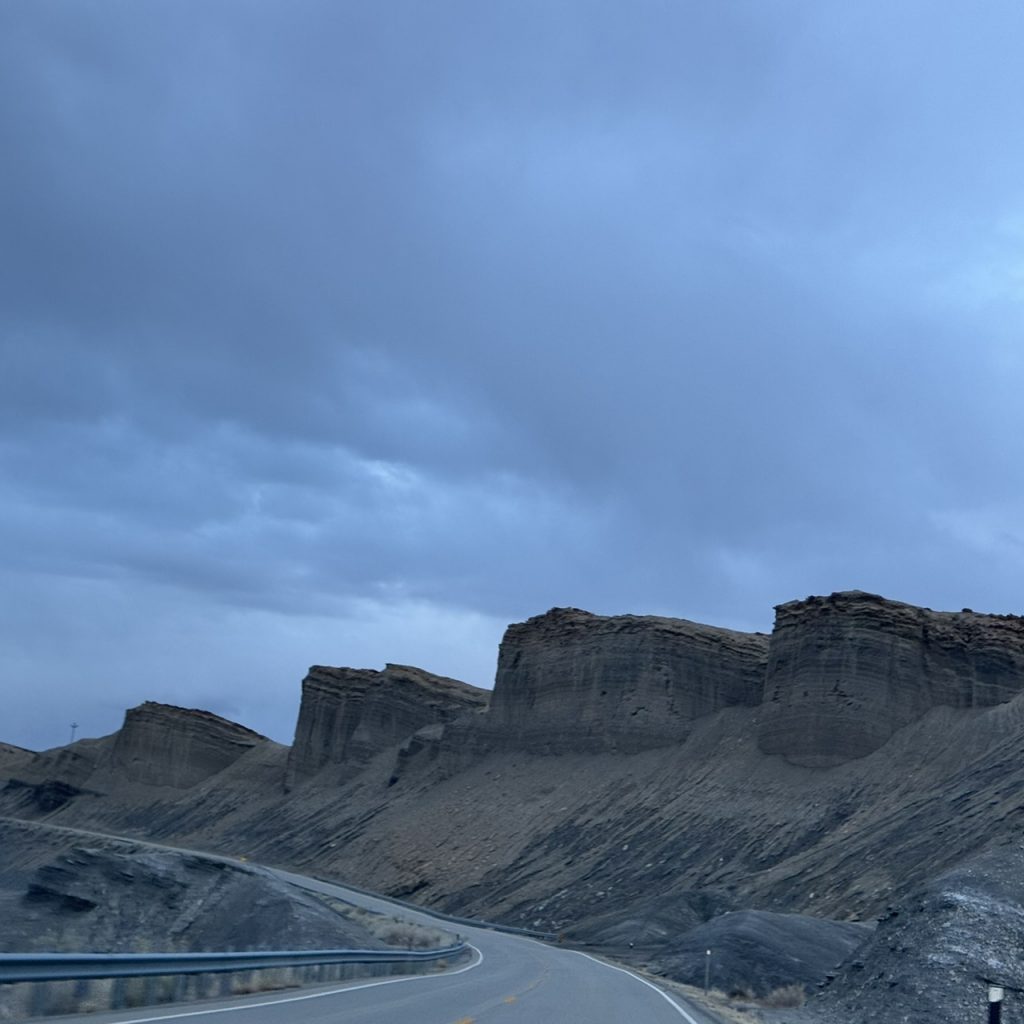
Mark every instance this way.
x=19 y=967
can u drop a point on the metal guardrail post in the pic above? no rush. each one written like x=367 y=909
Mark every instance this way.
x=995 y=1004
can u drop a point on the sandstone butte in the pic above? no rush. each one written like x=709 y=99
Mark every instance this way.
x=348 y=715
x=624 y=768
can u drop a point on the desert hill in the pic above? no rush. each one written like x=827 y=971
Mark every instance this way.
x=61 y=890
x=631 y=779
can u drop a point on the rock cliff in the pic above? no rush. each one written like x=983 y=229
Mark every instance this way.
x=348 y=715
x=570 y=681
x=847 y=671
x=163 y=745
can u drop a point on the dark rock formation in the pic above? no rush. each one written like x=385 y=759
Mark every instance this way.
x=63 y=892
x=113 y=895
x=572 y=681
x=651 y=925
x=847 y=671
x=933 y=954
x=162 y=745
x=45 y=796
x=73 y=764
x=755 y=951
x=348 y=715
x=425 y=745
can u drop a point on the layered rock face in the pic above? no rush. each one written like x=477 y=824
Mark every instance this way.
x=163 y=745
x=348 y=714
x=572 y=681
x=847 y=671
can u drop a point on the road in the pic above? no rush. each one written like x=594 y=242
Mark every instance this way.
x=510 y=980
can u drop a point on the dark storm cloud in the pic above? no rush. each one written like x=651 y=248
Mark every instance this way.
x=364 y=313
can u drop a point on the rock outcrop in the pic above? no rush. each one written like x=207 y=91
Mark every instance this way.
x=570 y=681
x=934 y=953
x=116 y=895
x=758 y=951
x=163 y=745
x=847 y=671
x=348 y=715
x=10 y=754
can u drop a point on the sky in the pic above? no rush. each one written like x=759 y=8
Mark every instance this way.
x=351 y=332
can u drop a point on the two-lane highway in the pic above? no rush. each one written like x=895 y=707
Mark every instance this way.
x=520 y=979
x=510 y=980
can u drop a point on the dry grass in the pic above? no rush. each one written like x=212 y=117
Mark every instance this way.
x=786 y=997
x=396 y=932
x=722 y=1007
x=248 y=988
x=740 y=1004
x=409 y=936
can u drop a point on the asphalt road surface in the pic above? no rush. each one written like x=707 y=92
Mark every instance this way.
x=510 y=980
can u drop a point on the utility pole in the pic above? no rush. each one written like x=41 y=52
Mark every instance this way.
x=74 y=726
x=707 y=972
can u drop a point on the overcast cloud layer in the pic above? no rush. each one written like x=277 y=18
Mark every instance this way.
x=349 y=332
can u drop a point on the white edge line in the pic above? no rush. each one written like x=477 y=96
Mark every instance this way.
x=643 y=981
x=311 y=995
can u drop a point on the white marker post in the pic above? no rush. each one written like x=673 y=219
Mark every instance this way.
x=995 y=1004
x=707 y=971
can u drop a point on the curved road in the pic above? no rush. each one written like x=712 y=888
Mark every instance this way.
x=510 y=980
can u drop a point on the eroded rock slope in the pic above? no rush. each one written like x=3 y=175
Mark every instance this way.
x=629 y=772
x=935 y=952
x=159 y=747
x=62 y=891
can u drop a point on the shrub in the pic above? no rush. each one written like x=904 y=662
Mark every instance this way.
x=785 y=997
x=743 y=993
x=411 y=936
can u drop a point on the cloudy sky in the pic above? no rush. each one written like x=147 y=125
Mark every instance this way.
x=351 y=331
